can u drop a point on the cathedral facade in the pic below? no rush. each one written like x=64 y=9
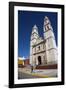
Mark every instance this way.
x=43 y=51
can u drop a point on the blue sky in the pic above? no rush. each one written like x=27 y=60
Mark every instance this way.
x=26 y=20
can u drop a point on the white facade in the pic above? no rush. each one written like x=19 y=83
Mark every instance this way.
x=43 y=51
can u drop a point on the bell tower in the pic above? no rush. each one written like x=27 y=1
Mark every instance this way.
x=33 y=39
x=51 y=48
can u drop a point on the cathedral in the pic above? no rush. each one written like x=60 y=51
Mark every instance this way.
x=43 y=51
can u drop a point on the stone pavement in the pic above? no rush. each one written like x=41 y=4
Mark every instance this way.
x=46 y=73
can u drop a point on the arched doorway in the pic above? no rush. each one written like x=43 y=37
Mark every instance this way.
x=39 y=60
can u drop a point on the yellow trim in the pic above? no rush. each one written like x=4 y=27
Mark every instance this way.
x=41 y=76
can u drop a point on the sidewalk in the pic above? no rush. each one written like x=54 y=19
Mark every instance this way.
x=47 y=73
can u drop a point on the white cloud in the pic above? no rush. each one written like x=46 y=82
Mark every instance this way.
x=22 y=58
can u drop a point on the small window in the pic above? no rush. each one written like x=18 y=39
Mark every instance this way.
x=38 y=47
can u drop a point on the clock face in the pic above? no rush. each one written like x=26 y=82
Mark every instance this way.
x=34 y=40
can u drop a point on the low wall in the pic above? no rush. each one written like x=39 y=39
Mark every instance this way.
x=54 y=66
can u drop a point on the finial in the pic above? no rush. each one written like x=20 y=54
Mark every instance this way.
x=46 y=18
x=35 y=26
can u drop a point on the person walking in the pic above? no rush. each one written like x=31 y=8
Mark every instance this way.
x=31 y=69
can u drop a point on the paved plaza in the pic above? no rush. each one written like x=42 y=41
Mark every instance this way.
x=24 y=73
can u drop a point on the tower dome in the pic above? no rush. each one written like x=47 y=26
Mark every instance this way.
x=34 y=34
x=35 y=29
x=46 y=20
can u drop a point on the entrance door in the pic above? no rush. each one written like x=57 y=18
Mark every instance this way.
x=39 y=60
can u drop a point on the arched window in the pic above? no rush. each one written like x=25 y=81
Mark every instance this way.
x=38 y=47
x=47 y=27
